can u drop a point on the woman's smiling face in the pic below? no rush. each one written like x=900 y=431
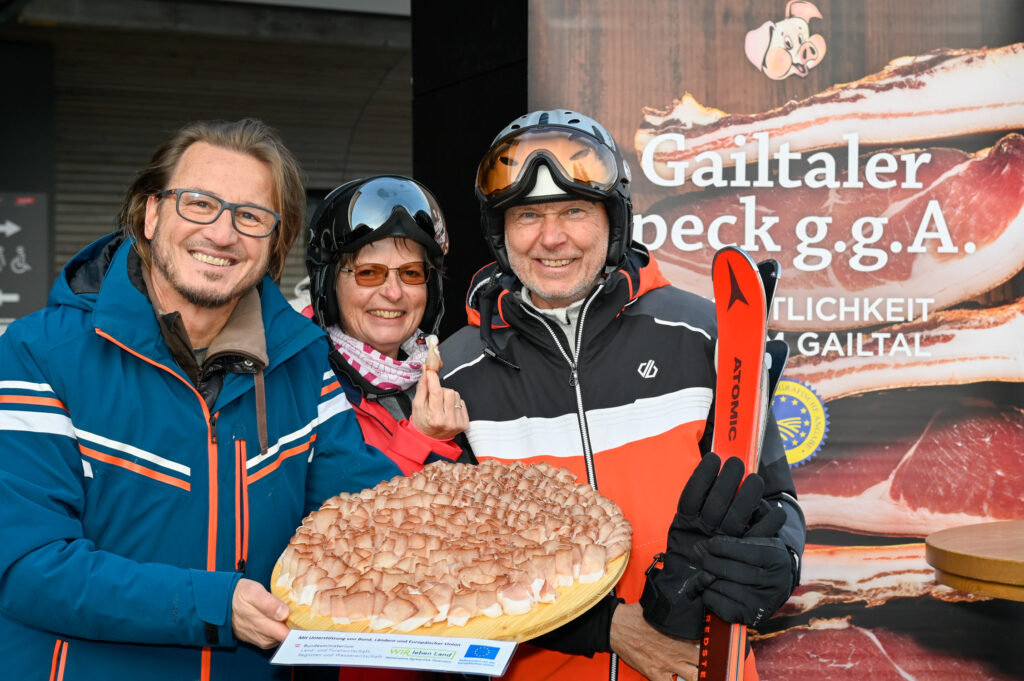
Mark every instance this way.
x=382 y=316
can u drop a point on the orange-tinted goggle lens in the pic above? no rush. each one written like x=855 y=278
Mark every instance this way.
x=375 y=274
x=579 y=159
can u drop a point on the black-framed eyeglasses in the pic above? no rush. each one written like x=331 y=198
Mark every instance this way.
x=204 y=208
x=375 y=274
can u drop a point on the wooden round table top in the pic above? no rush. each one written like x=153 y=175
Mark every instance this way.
x=985 y=559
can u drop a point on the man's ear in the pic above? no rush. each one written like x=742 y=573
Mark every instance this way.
x=152 y=204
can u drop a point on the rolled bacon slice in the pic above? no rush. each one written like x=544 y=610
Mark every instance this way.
x=942 y=93
x=433 y=362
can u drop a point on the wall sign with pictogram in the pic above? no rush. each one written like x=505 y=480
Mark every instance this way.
x=24 y=254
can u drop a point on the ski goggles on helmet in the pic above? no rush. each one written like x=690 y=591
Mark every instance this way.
x=580 y=160
x=374 y=205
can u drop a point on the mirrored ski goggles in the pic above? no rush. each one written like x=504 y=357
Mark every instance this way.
x=375 y=202
x=578 y=158
x=375 y=274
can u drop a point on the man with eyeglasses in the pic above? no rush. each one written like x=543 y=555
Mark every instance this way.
x=582 y=355
x=165 y=424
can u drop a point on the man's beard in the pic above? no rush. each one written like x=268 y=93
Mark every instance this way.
x=204 y=299
x=192 y=294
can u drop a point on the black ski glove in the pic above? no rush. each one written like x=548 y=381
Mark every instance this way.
x=753 y=577
x=708 y=506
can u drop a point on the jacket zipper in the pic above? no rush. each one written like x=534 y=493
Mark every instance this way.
x=574 y=378
x=588 y=451
x=241 y=508
x=581 y=416
x=211 y=551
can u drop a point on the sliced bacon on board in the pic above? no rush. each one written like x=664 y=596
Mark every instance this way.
x=449 y=543
x=871 y=575
x=981 y=200
x=943 y=93
x=956 y=463
x=956 y=346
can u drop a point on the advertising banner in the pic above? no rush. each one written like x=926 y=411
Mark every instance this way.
x=875 y=149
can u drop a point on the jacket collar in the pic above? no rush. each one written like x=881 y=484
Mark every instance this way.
x=243 y=334
x=490 y=288
x=98 y=279
x=492 y=296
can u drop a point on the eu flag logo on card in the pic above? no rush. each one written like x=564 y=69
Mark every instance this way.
x=482 y=652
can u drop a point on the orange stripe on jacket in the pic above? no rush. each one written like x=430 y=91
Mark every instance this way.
x=299 y=449
x=211 y=518
x=239 y=466
x=54 y=659
x=136 y=468
x=63 y=661
x=241 y=506
x=26 y=399
x=211 y=546
x=211 y=540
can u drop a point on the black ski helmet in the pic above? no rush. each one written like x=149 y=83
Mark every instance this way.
x=582 y=161
x=366 y=210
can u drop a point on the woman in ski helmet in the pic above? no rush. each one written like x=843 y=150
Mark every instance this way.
x=375 y=257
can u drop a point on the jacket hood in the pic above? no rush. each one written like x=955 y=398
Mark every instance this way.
x=489 y=288
x=81 y=277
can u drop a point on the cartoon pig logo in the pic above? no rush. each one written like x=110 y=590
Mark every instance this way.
x=780 y=49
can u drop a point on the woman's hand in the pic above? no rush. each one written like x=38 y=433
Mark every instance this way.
x=437 y=412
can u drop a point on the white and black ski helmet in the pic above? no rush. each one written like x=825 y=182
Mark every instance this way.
x=551 y=156
x=366 y=210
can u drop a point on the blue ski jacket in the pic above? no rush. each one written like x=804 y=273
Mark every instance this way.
x=130 y=508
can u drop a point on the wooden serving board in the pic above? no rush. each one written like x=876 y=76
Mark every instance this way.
x=544 y=617
x=986 y=558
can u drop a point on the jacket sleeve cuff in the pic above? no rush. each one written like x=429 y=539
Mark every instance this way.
x=213 y=592
x=409 y=442
x=587 y=634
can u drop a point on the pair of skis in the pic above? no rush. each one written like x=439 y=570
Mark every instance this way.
x=748 y=367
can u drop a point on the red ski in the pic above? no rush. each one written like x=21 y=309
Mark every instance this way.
x=741 y=400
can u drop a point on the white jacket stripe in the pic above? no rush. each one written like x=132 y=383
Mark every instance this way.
x=524 y=437
x=25 y=385
x=333 y=406
x=284 y=441
x=37 y=422
x=337 y=404
x=134 y=451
